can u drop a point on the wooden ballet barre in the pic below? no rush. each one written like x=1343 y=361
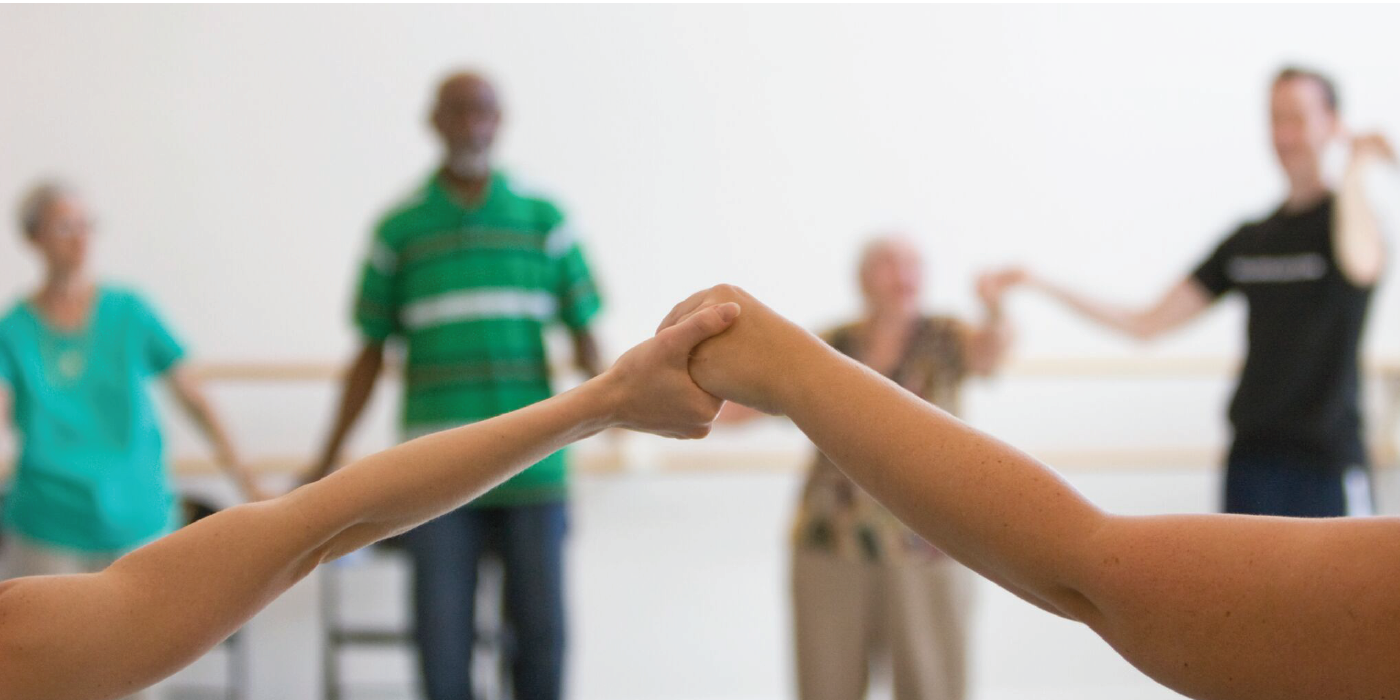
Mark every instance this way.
x=1165 y=367
x=1384 y=370
x=614 y=461
x=616 y=458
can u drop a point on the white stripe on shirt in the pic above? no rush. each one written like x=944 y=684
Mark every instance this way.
x=382 y=258
x=559 y=241
x=478 y=304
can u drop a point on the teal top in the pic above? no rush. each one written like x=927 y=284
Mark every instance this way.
x=91 y=472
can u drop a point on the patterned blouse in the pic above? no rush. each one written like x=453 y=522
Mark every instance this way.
x=837 y=517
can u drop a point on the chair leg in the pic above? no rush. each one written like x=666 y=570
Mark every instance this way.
x=330 y=624
x=237 y=688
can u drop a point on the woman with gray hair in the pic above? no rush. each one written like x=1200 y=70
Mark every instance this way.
x=869 y=594
x=76 y=356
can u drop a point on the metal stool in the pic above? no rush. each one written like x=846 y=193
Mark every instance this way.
x=488 y=653
x=338 y=635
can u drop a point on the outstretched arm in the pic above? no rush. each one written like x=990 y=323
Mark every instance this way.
x=109 y=634
x=1220 y=607
x=1179 y=305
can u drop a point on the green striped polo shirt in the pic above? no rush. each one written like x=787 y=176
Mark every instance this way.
x=470 y=290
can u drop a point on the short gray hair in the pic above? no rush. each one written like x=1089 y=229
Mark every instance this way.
x=882 y=242
x=37 y=201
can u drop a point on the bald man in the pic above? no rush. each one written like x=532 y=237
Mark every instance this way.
x=468 y=272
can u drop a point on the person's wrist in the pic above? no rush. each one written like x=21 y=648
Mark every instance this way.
x=783 y=386
x=1356 y=168
x=799 y=382
x=602 y=401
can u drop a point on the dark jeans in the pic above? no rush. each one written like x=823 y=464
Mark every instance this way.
x=1287 y=486
x=530 y=542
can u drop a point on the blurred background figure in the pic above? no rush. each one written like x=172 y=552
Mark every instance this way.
x=468 y=271
x=870 y=597
x=1307 y=272
x=90 y=482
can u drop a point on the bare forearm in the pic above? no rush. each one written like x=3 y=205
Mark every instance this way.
x=1300 y=608
x=190 y=393
x=390 y=492
x=1183 y=302
x=358 y=386
x=1131 y=322
x=586 y=353
x=163 y=605
x=985 y=503
x=214 y=433
x=989 y=344
x=1360 y=243
x=160 y=607
x=1296 y=602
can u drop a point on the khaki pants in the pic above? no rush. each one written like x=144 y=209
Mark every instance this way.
x=28 y=558
x=852 y=617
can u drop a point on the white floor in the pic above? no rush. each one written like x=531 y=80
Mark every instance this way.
x=678 y=594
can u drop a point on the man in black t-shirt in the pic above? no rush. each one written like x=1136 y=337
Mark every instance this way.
x=1307 y=272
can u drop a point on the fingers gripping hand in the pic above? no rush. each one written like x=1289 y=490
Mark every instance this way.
x=748 y=363
x=658 y=394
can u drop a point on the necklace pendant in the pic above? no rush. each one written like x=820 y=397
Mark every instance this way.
x=71 y=364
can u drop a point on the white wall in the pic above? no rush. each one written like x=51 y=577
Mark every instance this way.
x=236 y=157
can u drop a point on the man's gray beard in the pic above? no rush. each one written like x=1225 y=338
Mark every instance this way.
x=469 y=165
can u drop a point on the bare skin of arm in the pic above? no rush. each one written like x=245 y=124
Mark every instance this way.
x=1182 y=303
x=190 y=394
x=6 y=417
x=1358 y=242
x=986 y=345
x=355 y=393
x=1216 y=607
x=586 y=354
x=106 y=635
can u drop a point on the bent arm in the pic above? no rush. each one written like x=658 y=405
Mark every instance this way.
x=1299 y=604
x=985 y=346
x=1220 y=607
x=1358 y=242
x=983 y=502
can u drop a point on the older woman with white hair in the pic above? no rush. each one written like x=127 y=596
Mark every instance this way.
x=869 y=594
x=76 y=356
